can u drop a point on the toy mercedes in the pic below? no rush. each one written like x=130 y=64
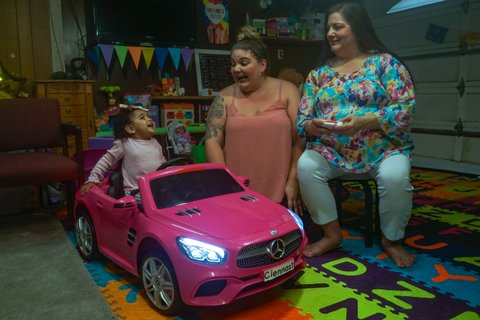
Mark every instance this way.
x=199 y=238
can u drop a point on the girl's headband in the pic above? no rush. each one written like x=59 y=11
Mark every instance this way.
x=131 y=107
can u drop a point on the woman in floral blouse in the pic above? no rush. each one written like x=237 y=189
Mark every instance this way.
x=360 y=84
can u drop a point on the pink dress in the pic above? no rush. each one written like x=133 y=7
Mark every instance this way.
x=259 y=147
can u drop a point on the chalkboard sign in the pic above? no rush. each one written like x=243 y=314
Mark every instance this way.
x=213 y=71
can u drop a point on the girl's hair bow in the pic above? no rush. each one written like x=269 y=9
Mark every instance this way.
x=131 y=107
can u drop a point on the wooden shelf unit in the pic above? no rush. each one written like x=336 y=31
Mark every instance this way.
x=292 y=41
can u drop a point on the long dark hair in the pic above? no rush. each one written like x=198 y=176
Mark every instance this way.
x=361 y=26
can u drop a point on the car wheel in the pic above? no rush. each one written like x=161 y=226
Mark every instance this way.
x=86 y=238
x=160 y=283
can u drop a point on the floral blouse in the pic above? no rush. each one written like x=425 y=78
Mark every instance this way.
x=381 y=86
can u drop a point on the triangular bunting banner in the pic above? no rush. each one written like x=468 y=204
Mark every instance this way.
x=187 y=56
x=94 y=55
x=135 y=53
x=107 y=52
x=175 y=54
x=121 y=54
x=161 y=54
x=147 y=56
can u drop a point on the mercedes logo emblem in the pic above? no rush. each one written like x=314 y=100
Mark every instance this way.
x=277 y=249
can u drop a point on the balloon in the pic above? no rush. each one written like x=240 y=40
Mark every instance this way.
x=10 y=85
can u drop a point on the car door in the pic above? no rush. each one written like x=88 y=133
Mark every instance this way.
x=116 y=225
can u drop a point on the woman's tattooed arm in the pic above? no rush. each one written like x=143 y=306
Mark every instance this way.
x=215 y=114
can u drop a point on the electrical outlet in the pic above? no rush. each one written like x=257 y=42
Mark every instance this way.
x=280 y=54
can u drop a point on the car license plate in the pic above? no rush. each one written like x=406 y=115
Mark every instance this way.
x=278 y=271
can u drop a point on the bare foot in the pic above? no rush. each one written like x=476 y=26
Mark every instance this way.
x=322 y=246
x=399 y=255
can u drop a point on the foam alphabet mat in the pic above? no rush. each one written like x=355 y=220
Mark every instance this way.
x=355 y=282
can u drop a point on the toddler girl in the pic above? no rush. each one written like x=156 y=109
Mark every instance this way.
x=134 y=144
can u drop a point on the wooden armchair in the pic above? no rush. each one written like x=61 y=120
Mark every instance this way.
x=31 y=136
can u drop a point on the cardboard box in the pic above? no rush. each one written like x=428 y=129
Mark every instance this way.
x=315 y=23
x=260 y=26
x=314 y=20
x=316 y=33
x=271 y=27
x=282 y=26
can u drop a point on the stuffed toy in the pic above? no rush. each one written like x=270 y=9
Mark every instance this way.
x=290 y=74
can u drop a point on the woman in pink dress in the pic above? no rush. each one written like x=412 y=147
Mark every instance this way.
x=251 y=124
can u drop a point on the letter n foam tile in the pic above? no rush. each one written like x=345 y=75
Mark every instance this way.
x=326 y=298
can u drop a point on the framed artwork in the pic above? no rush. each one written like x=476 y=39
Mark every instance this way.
x=217 y=21
x=213 y=71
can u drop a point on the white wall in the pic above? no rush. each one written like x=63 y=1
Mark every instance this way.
x=56 y=34
x=438 y=69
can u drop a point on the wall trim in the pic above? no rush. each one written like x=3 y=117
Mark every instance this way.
x=441 y=164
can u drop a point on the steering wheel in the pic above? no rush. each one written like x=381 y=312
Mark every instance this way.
x=174 y=161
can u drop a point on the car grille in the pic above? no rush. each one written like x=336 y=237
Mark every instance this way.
x=258 y=255
x=211 y=288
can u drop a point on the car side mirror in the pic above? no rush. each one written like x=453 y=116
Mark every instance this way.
x=127 y=202
x=244 y=180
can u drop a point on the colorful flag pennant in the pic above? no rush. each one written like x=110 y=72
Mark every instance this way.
x=135 y=53
x=187 y=57
x=175 y=54
x=161 y=54
x=94 y=55
x=148 y=55
x=121 y=54
x=107 y=53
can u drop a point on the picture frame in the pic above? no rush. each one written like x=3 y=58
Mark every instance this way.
x=212 y=71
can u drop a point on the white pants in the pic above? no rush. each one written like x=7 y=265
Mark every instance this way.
x=394 y=189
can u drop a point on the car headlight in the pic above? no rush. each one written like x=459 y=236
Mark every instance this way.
x=297 y=219
x=202 y=251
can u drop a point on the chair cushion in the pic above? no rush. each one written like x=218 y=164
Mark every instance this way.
x=25 y=168
x=39 y=120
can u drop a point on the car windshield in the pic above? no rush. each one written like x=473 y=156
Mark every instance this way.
x=191 y=186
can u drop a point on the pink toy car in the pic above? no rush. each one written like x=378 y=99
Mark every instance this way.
x=201 y=237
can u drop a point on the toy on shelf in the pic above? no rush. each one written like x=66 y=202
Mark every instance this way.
x=168 y=86
x=143 y=99
x=291 y=75
x=179 y=137
x=110 y=92
x=102 y=121
x=181 y=112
